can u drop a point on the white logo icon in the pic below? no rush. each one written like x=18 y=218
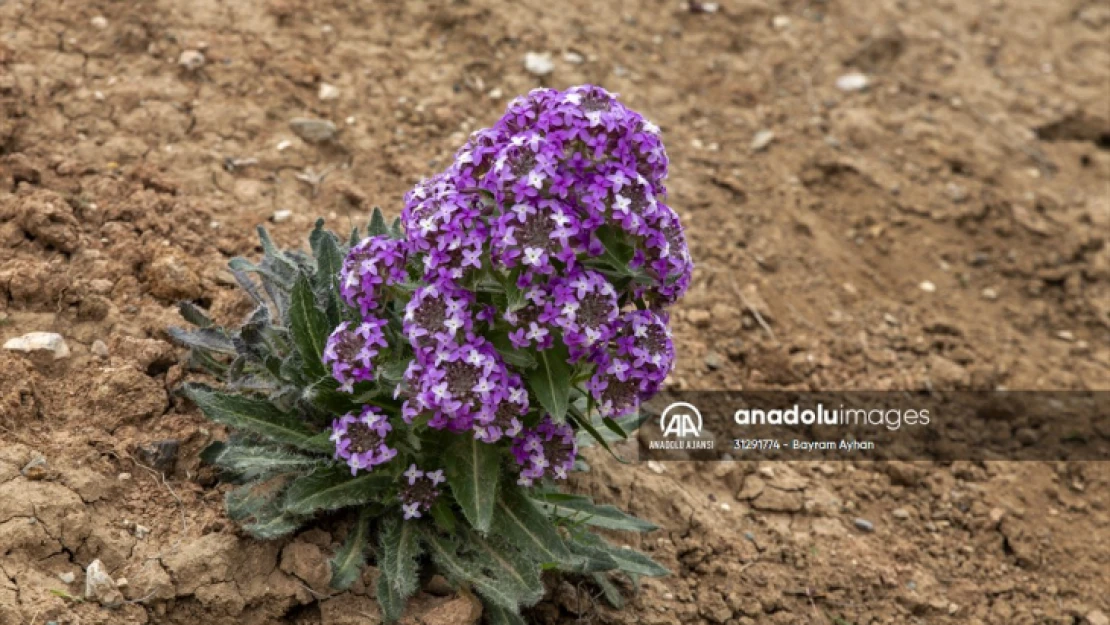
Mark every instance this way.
x=680 y=419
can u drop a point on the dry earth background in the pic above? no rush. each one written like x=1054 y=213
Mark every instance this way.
x=976 y=160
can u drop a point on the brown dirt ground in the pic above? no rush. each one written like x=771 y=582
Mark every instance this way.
x=977 y=161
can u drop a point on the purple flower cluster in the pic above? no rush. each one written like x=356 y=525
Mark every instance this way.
x=419 y=491
x=548 y=448
x=549 y=229
x=351 y=351
x=361 y=440
x=372 y=264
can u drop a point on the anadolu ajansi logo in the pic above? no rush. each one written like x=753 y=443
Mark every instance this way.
x=680 y=419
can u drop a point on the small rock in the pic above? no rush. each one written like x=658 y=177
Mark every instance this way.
x=864 y=525
x=947 y=373
x=854 y=81
x=538 y=63
x=900 y=513
x=713 y=361
x=40 y=342
x=191 y=60
x=328 y=92
x=99 y=349
x=495 y=93
x=124 y=477
x=1026 y=436
x=141 y=531
x=1065 y=335
x=655 y=467
x=100 y=586
x=956 y=193
x=122 y=582
x=726 y=507
x=696 y=6
x=699 y=317
x=313 y=130
x=573 y=58
x=99 y=22
x=928 y=287
x=762 y=139
x=439 y=586
x=462 y=610
x=281 y=216
x=996 y=515
x=36 y=469
x=67 y=577
x=1097 y=617
x=780 y=22
x=989 y=294
x=159 y=455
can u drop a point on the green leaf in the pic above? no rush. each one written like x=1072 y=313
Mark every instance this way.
x=255 y=416
x=329 y=261
x=614 y=427
x=549 y=381
x=275 y=526
x=347 y=564
x=191 y=312
x=519 y=521
x=583 y=423
x=209 y=339
x=635 y=563
x=309 y=326
x=499 y=615
x=472 y=471
x=519 y=358
x=256 y=461
x=334 y=488
x=254 y=505
x=608 y=590
x=444 y=517
x=500 y=576
x=399 y=549
x=585 y=511
x=377 y=225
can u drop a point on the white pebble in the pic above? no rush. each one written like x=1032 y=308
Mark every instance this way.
x=283 y=145
x=191 y=60
x=281 y=216
x=538 y=63
x=781 y=22
x=853 y=82
x=573 y=58
x=928 y=287
x=328 y=92
x=762 y=139
x=726 y=507
x=655 y=467
x=495 y=93
x=40 y=342
x=67 y=577
x=99 y=22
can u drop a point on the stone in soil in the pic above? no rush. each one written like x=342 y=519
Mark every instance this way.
x=100 y=586
x=40 y=342
x=313 y=130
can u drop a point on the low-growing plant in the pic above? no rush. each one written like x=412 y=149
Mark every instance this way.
x=437 y=377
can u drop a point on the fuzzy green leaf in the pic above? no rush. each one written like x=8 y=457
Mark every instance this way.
x=246 y=414
x=255 y=506
x=274 y=526
x=502 y=578
x=399 y=549
x=635 y=563
x=347 y=564
x=584 y=424
x=309 y=326
x=256 y=461
x=329 y=261
x=208 y=339
x=334 y=488
x=519 y=521
x=472 y=471
x=549 y=381
x=191 y=312
x=609 y=590
x=582 y=510
x=377 y=226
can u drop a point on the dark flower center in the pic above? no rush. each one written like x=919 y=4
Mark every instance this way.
x=462 y=377
x=594 y=310
x=431 y=313
x=362 y=438
x=536 y=232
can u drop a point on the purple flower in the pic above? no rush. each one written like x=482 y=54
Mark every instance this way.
x=419 y=491
x=351 y=350
x=613 y=386
x=361 y=440
x=456 y=382
x=375 y=262
x=585 y=305
x=436 y=313
x=667 y=258
x=447 y=226
x=502 y=417
x=548 y=448
x=534 y=234
x=532 y=324
x=644 y=339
